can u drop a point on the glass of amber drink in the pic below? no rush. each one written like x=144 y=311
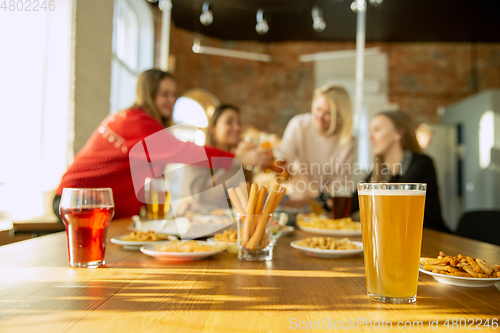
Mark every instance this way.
x=157 y=198
x=392 y=222
x=86 y=213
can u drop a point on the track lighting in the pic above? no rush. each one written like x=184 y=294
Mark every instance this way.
x=358 y=5
x=318 y=22
x=262 y=27
x=206 y=17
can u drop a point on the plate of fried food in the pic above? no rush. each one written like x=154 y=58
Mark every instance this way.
x=136 y=239
x=229 y=236
x=177 y=250
x=178 y=226
x=327 y=226
x=461 y=270
x=328 y=247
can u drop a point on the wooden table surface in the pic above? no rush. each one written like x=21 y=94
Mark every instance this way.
x=137 y=293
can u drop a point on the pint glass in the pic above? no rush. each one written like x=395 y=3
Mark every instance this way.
x=392 y=221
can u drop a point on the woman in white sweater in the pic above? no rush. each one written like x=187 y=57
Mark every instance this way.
x=320 y=143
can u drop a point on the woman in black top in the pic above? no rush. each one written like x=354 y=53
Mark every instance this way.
x=399 y=159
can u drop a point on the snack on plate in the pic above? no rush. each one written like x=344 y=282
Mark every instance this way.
x=187 y=246
x=327 y=223
x=328 y=243
x=460 y=266
x=228 y=236
x=139 y=236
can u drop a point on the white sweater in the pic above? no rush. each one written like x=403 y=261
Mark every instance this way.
x=321 y=158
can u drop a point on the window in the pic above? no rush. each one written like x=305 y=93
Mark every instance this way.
x=190 y=116
x=133 y=47
x=192 y=112
x=35 y=94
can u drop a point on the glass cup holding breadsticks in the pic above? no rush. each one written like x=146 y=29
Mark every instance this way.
x=157 y=198
x=255 y=220
x=392 y=222
x=86 y=213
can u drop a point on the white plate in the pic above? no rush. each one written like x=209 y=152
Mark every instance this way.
x=212 y=240
x=330 y=232
x=288 y=229
x=150 y=250
x=460 y=280
x=329 y=253
x=130 y=245
x=174 y=227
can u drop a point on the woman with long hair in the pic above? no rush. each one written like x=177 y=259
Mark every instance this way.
x=320 y=142
x=224 y=128
x=399 y=159
x=110 y=155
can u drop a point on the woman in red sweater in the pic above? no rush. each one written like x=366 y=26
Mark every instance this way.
x=104 y=161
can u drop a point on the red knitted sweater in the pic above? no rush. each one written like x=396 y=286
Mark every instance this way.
x=104 y=160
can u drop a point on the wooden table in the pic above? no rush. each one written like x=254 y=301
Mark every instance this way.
x=137 y=293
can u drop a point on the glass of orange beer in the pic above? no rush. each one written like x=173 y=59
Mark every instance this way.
x=392 y=221
x=86 y=213
x=157 y=198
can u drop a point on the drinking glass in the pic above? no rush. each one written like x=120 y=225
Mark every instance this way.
x=339 y=201
x=86 y=213
x=157 y=198
x=392 y=222
x=255 y=237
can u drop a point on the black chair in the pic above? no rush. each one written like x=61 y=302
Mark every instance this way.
x=481 y=225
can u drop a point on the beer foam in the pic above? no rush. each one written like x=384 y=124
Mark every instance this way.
x=392 y=192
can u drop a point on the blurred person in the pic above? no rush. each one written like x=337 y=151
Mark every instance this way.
x=223 y=132
x=104 y=161
x=399 y=159
x=224 y=128
x=320 y=143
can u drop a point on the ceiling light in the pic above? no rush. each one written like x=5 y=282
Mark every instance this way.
x=318 y=22
x=262 y=27
x=164 y=5
x=206 y=17
x=376 y=3
x=358 y=5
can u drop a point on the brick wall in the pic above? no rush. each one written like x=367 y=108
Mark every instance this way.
x=422 y=76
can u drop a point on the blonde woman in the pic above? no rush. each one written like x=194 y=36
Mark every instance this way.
x=320 y=143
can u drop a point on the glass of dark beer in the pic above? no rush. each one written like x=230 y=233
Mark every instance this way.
x=339 y=201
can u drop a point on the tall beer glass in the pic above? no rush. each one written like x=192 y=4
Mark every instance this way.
x=392 y=222
x=157 y=198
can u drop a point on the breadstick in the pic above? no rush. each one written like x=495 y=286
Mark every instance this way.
x=261 y=226
x=248 y=227
x=235 y=201
x=261 y=196
x=243 y=198
x=281 y=194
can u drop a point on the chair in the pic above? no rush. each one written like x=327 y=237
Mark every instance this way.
x=480 y=225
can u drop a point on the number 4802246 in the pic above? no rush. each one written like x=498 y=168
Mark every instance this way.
x=27 y=5
x=470 y=323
